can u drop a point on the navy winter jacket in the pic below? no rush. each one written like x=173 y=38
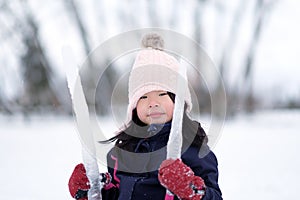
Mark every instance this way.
x=134 y=166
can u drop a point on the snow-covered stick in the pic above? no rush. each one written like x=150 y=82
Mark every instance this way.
x=81 y=111
x=175 y=139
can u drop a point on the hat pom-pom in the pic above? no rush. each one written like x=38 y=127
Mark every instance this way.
x=153 y=40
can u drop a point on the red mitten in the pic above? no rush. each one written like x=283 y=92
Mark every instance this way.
x=180 y=180
x=79 y=183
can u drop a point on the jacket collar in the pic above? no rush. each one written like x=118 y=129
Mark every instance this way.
x=155 y=130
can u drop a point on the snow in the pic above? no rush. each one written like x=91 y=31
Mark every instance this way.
x=37 y=157
x=257 y=156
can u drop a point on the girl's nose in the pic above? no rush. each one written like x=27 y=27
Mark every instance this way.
x=153 y=103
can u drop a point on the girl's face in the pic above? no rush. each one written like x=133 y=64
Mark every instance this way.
x=155 y=107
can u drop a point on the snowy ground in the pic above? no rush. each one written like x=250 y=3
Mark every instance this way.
x=258 y=157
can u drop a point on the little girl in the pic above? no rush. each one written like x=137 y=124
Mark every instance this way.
x=137 y=165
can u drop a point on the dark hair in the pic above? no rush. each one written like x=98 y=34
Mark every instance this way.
x=136 y=119
x=192 y=132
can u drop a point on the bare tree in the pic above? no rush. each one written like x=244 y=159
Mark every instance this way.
x=36 y=69
x=4 y=106
x=89 y=77
x=227 y=53
x=237 y=97
x=153 y=13
x=201 y=89
x=261 y=9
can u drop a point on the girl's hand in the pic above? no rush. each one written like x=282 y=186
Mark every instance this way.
x=79 y=183
x=178 y=178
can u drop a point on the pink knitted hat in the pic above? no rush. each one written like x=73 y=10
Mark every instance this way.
x=154 y=69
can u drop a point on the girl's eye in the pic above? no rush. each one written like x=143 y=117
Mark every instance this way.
x=163 y=94
x=143 y=97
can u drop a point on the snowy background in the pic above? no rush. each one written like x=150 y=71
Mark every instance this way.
x=257 y=152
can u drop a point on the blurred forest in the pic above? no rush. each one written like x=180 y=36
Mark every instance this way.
x=31 y=81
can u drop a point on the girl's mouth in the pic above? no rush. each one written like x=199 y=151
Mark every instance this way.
x=155 y=114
